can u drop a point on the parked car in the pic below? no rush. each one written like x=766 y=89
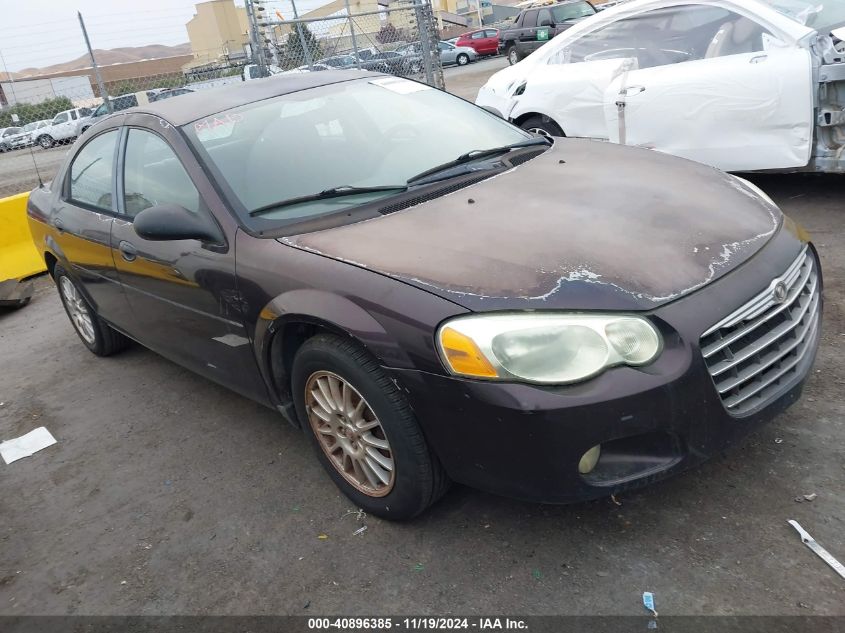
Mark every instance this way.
x=460 y=55
x=157 y=94
x=64 y=127
x=536 y=25
x=27 y=135
x=741 y=86
x=253 y=71
x=483 y=42
x=338 y=61
x=6 y=136
x=343 y=247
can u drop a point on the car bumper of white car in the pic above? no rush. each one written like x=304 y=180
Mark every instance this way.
x=497 y=104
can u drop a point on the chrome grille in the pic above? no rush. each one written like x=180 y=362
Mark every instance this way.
x=753 y=351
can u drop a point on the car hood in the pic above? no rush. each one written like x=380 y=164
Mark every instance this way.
x=585 y=225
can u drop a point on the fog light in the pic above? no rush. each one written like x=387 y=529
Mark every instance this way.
x=589 y=460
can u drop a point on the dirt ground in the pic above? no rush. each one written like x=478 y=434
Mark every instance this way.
x=167 y=494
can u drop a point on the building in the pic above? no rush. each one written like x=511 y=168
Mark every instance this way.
x=218 y=31
x=77 y=88
x=469 y=10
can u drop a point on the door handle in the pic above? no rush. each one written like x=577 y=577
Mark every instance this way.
x=757 y=59
x=127 y=251
x=630 y=91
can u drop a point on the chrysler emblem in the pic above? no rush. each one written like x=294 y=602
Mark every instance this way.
x=779 y=292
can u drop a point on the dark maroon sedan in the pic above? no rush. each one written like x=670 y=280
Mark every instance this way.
x=431 y=293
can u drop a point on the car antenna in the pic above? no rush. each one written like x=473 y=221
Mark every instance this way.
x=35 y=164
x=14 y=116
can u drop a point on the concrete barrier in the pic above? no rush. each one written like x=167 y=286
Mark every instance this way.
x=19 y=259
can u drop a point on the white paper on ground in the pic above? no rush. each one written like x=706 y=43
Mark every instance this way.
x=26 y=445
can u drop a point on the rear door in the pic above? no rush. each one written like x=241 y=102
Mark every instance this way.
x=182 y=294
x=738 y=99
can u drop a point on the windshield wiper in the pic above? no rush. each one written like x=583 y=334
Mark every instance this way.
x=334 y=192
x=480 y=153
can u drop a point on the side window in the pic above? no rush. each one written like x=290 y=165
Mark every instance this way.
x=491 y=33
x=153 y=175
x=529 y=20
x=544 y=18
x=90 y=178
x=443 y=46
x=477 y=35
x=666 y=36
x=73 y=114
x=61 y=117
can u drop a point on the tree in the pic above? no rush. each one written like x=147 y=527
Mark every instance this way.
x=293 y=54
x=29 y=112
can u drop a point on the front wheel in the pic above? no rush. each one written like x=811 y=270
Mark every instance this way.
x=513 y=55
x=46 y=142
x=541 y=125
x=363 y=430
x=462 y=59
x=97 y=335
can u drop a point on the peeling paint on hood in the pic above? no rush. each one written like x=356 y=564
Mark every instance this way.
x=586 y=225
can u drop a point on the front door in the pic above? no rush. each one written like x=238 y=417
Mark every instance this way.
x=83 y=216
x=738 y=112
x=182 y=294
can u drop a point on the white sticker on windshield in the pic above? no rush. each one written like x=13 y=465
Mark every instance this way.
x=400 y=86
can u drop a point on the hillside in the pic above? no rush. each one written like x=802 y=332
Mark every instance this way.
x=108 y=57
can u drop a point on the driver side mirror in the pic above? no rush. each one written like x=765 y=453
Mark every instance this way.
x=165 y=222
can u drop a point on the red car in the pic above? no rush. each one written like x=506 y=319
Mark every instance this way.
x=484 y=41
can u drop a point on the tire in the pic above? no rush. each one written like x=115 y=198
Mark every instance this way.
x=542 y=125
x=97 y=335
x=514 y=56
x=416 y=478
x=4 y=148
x=462 y=59
x=46 y=141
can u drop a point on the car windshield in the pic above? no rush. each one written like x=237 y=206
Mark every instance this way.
x=366 y=133
x=822 y=15
x=564 y=12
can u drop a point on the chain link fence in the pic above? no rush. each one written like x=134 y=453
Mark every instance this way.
x=41 y=116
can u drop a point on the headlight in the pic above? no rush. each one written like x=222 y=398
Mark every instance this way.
x=545 y=348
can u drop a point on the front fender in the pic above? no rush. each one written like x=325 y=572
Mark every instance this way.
x=327 y=311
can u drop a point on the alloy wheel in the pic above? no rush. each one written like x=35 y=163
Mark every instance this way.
x=540 y=132
x=350 y=433
x=513 y=56
x=79 y=314
x=46 y=142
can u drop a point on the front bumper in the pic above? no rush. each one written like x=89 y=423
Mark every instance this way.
x=526 y=441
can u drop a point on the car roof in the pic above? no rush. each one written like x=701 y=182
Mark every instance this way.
x=203 y=103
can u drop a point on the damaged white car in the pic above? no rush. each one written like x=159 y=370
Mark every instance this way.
x=742 y=85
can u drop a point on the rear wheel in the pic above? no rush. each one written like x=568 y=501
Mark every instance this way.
x=513 y=54
x=97 y=335
x=541 y=125
x=363 y=431
x=462 y=59
x=46 y=141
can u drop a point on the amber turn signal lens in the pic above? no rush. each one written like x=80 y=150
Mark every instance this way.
x=463 y=355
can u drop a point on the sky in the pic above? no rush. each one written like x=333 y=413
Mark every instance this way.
x=38 y=33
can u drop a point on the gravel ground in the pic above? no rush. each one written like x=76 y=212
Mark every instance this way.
x=168 y=494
